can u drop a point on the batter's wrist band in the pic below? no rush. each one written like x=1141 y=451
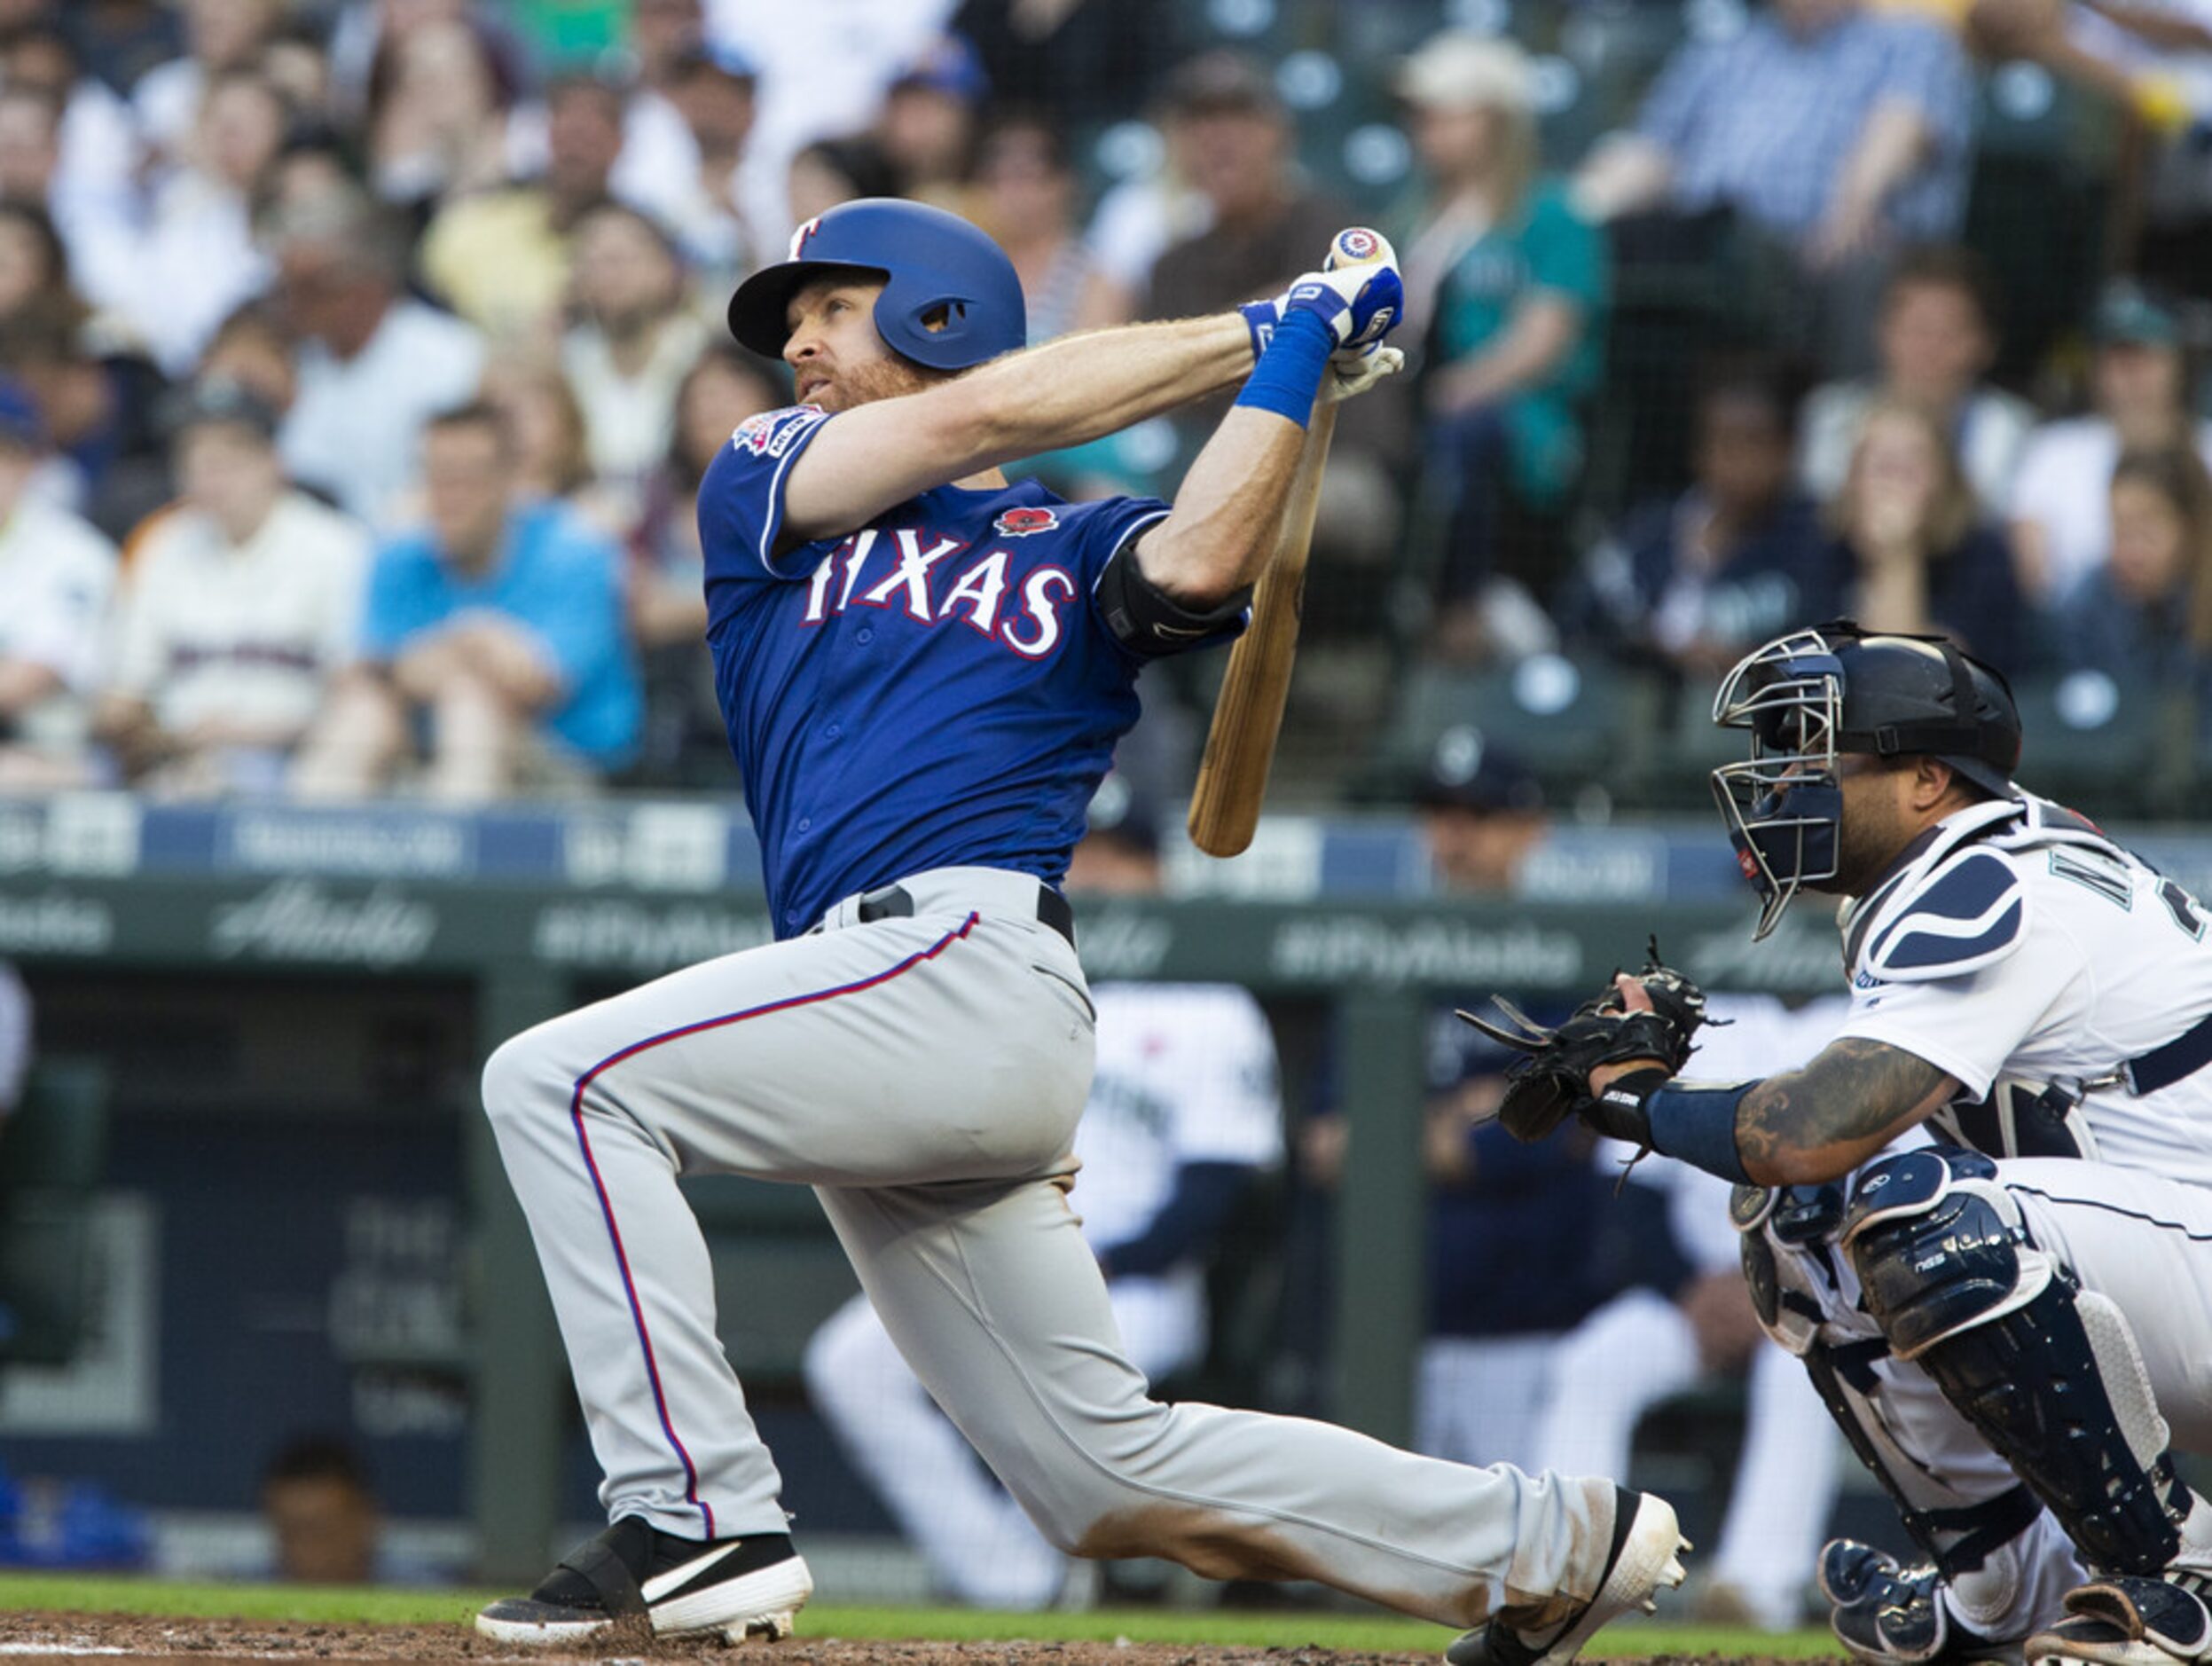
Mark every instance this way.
x=1260 y=318
x=1288 y=375
x=1697 y=1125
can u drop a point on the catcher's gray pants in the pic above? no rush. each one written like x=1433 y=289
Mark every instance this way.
x=924 y=1075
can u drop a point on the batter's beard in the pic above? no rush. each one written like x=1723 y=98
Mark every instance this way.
x=879 y=379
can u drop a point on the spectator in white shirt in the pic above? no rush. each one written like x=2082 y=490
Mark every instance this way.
x=1935 y=343
x=199 y=260
x=2139 y=384
x=96 y=141
x=437 y=116
x=634 y=342
x=220 y=37
x=374 y=365
x=243 y=602
x=56 y=573
x=720 y=229
x=98 y=230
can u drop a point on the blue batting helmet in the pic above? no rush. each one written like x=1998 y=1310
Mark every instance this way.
x=930 y=262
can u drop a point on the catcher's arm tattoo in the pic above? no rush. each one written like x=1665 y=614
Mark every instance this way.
x=1823 y=1120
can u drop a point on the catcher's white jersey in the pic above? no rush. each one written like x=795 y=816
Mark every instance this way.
x=2019 y=949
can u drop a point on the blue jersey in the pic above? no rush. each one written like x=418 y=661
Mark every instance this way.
x=937 y=689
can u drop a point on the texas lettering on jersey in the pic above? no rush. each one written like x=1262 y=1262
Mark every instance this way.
x=925 y=575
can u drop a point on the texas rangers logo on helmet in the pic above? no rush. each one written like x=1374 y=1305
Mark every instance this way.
x=1022 y=523
x=799 y=237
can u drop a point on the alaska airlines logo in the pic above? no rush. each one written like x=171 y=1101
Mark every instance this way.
x=1022 y=523
x=907 y=569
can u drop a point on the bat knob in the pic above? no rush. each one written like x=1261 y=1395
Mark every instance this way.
x=1359 y=246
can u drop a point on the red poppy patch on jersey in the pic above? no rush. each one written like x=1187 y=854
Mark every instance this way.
x=1022 y=523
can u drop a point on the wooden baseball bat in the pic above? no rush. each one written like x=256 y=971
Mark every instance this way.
x=1248 y=711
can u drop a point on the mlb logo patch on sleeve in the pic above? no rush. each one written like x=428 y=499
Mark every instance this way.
x=772 y=433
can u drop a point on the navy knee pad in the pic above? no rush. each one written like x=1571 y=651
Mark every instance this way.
x=2048 y=1376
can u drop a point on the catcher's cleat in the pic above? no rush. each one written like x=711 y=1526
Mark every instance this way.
x=1646 y=1555
x=1887 y=1615
x=635 y=1575
x=2128 y=1620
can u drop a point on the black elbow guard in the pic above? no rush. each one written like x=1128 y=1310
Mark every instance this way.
x=1148 y=622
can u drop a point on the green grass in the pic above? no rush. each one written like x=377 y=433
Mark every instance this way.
x=1358 y=1634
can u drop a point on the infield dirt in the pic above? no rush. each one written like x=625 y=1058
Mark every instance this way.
x=133 y=1637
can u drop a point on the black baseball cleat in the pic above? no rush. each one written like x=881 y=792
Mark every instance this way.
x=2128 y=1620
x=730 y=1588
x=1646 y=1555
x=1886 y=1613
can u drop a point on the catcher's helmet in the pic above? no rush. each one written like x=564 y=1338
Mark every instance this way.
x=1813 y=695
x=930 y=263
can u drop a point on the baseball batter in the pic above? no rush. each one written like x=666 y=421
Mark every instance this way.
x=2014 y=1326
x=924 y=670
x=1184 y=1111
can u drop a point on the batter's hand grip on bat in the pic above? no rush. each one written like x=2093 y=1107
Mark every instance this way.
x=1248 y=711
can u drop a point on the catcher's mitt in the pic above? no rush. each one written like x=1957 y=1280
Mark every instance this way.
x=1552 y=1079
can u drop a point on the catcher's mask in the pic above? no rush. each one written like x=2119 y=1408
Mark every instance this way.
x=1813 y=695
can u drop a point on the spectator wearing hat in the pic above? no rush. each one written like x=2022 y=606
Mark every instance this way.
x=834 y=170
x=242 y=605
x=634 y=338
x=496 y=634
x=95 y=400
x=1839 y=131
x=2139 y=386
x=1265 y=226
x=1509 y=287
x=56 y=572
x=1482 y=812
x=722 y=225
x=928 y=124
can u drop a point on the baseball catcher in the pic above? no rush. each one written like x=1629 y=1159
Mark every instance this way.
x=2010 y=1325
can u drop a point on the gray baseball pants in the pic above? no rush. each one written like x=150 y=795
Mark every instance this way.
x=924 y=1075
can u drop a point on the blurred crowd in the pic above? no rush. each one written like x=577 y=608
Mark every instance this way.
x=359 y=359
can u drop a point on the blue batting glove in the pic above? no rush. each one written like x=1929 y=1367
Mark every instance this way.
x=1358 y=304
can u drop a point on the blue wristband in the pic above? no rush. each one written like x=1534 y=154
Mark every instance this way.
x=1288 y=376
x=1260 y=318
x=1697 y=1125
